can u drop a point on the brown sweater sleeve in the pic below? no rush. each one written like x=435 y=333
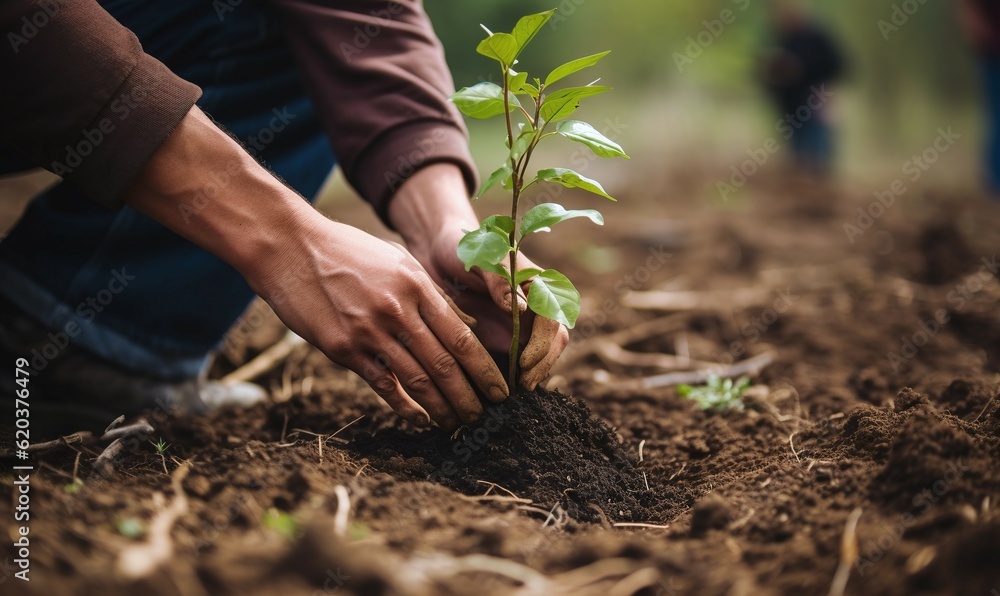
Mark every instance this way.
x=81 y=98
x=377 y=74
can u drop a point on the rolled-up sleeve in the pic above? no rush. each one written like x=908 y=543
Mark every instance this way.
x=377 y=74
x=81 y=98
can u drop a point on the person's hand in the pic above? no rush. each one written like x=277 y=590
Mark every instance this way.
x=363 y=302
x=431 y=211
x=373 y=309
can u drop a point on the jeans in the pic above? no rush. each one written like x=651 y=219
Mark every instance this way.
x=121 y=285
x=812 y=145
x=990 y=66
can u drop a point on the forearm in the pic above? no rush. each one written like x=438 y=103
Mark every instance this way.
x=202 y=185
x=433 y=199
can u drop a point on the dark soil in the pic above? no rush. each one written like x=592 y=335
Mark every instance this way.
x=543 y=446
x=871 y=404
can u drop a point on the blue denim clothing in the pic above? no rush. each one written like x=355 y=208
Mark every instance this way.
x=130 y=290
x=812 y=145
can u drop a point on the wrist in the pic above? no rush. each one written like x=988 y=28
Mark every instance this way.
x=432 y=201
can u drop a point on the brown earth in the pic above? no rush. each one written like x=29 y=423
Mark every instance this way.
x=872 y=404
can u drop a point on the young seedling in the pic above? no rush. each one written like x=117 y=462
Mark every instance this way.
x=161 y=448
x=532 y=112
x=281 y=523
x=717 y=394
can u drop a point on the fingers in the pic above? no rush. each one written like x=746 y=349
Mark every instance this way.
x=469 y=321
x=548 y=340
x=440 y=378
x=375 y=372
x=461 y=343
x=499 y=289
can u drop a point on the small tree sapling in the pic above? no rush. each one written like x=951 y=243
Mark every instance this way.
x=532 y=112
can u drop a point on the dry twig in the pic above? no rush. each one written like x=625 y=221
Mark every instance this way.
x=848 y=554
x=143 y=559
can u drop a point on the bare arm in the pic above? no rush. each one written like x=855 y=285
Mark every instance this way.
x=364 y=303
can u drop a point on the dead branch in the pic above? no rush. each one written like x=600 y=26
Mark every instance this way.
x=138 y=428
x=343 y=509
x=266 y=360
x=640 y=525
x=81 y=438
x=612 y=354
x=143 y=559
x=624 y=337
x=105 y=462
x=750 y=366
x=848 y=554
x=684 y=300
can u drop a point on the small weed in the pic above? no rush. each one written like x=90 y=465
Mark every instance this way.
x=73 y=487
x=281 y=523
x=130 y=527
x=717 y=394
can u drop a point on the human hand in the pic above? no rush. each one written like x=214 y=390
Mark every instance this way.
x=430 y=211
x=367 y=305
x=373 y=309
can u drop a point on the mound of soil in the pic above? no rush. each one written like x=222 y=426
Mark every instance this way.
x=540 y=445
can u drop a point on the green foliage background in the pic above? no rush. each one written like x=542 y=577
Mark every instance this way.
x=897 y=93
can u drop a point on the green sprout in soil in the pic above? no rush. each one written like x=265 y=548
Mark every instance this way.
x=532 y=112
x=130 y=527
x=717 y=394
x=73 y=487
x=161 y=449
x=281 y=523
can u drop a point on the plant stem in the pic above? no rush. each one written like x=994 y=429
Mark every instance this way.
x=516 y=179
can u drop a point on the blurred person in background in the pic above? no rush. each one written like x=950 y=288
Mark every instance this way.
x=981 y=21
x=801 y=61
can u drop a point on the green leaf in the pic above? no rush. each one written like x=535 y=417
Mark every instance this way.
x=542 y=217
x=499 y=176
x=564 y=102
x=522 y=143
x=501 y=47
x=571 y=179
x=528 y=27
x=573 y=66
x=517 y=81
x=500 y=222
x=525 y=274
x=483 y=100
x=553 y=296
x=484 y=247
x=498 y=269
x=581 y=132
x=530 y=90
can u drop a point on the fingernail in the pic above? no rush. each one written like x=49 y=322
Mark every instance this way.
x=497 y=393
